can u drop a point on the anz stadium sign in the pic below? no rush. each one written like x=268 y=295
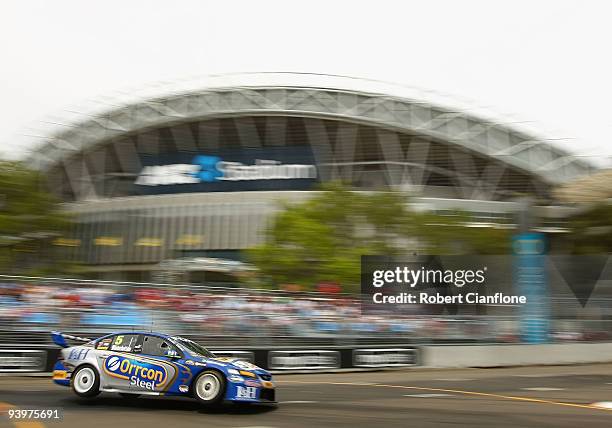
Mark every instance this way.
x=279 y=168
x=211 y=168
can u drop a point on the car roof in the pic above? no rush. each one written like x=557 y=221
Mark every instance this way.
x=149 y=333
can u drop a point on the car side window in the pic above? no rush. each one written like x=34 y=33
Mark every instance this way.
x=126 y=343
x=154 y=345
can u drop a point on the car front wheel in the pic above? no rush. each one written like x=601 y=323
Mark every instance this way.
x=86 y=382
x=209 y=387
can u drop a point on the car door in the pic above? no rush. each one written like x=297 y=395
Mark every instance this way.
x=156 y=370
x=116 y=356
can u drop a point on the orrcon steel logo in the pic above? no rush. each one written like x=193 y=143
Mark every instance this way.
x=139 y=373
x=208 y=169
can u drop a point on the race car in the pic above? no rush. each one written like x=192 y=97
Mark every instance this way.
x=139 y=363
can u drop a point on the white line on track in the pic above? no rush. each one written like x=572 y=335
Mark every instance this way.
x=536 y=375
x=543 y=388
x=452 y=391
x=32 y=390
x=428 y=395
x=603 y=404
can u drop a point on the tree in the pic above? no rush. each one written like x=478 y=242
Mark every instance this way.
x=31 y=218
x=591 y=230
x=322 y=239
x=457 y=233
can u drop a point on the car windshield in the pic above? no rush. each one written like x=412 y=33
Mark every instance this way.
x=193 y=347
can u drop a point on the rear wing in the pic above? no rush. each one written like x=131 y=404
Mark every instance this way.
x=60 y=339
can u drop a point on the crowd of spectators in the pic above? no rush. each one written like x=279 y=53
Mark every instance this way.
x=91 y=307
x=206 y=311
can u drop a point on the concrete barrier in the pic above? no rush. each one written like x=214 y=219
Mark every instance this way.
x=458 y=356
x=36 y=359
x=13 y=360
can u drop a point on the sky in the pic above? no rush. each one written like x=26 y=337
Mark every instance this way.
x=545 y=63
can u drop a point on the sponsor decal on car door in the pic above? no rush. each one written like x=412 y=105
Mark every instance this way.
x=139 y=373
x=156 y=372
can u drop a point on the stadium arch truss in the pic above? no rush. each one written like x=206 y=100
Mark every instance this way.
x=369 y=139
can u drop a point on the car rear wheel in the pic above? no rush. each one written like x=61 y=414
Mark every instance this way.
x=209 y=387
x=86 y=382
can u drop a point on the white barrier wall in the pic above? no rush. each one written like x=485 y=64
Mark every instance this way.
x=514 y=355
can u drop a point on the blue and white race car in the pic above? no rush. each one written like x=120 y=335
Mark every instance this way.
x=138 y=363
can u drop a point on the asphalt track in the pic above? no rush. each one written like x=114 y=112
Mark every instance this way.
x=504 y=397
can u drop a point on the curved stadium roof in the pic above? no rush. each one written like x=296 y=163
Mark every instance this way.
x=367 y=102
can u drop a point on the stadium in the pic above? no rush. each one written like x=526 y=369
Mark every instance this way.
x=195 y=170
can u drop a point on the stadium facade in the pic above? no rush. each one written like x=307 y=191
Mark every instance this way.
x=198 y=169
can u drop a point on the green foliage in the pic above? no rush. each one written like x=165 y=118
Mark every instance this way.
x=322 y=239
x=452 y=234
x=30 y=219
x=591 y=231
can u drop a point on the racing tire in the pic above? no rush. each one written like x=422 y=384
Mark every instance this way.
x=128 y=395
x=209 y=387
x=85 y=381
